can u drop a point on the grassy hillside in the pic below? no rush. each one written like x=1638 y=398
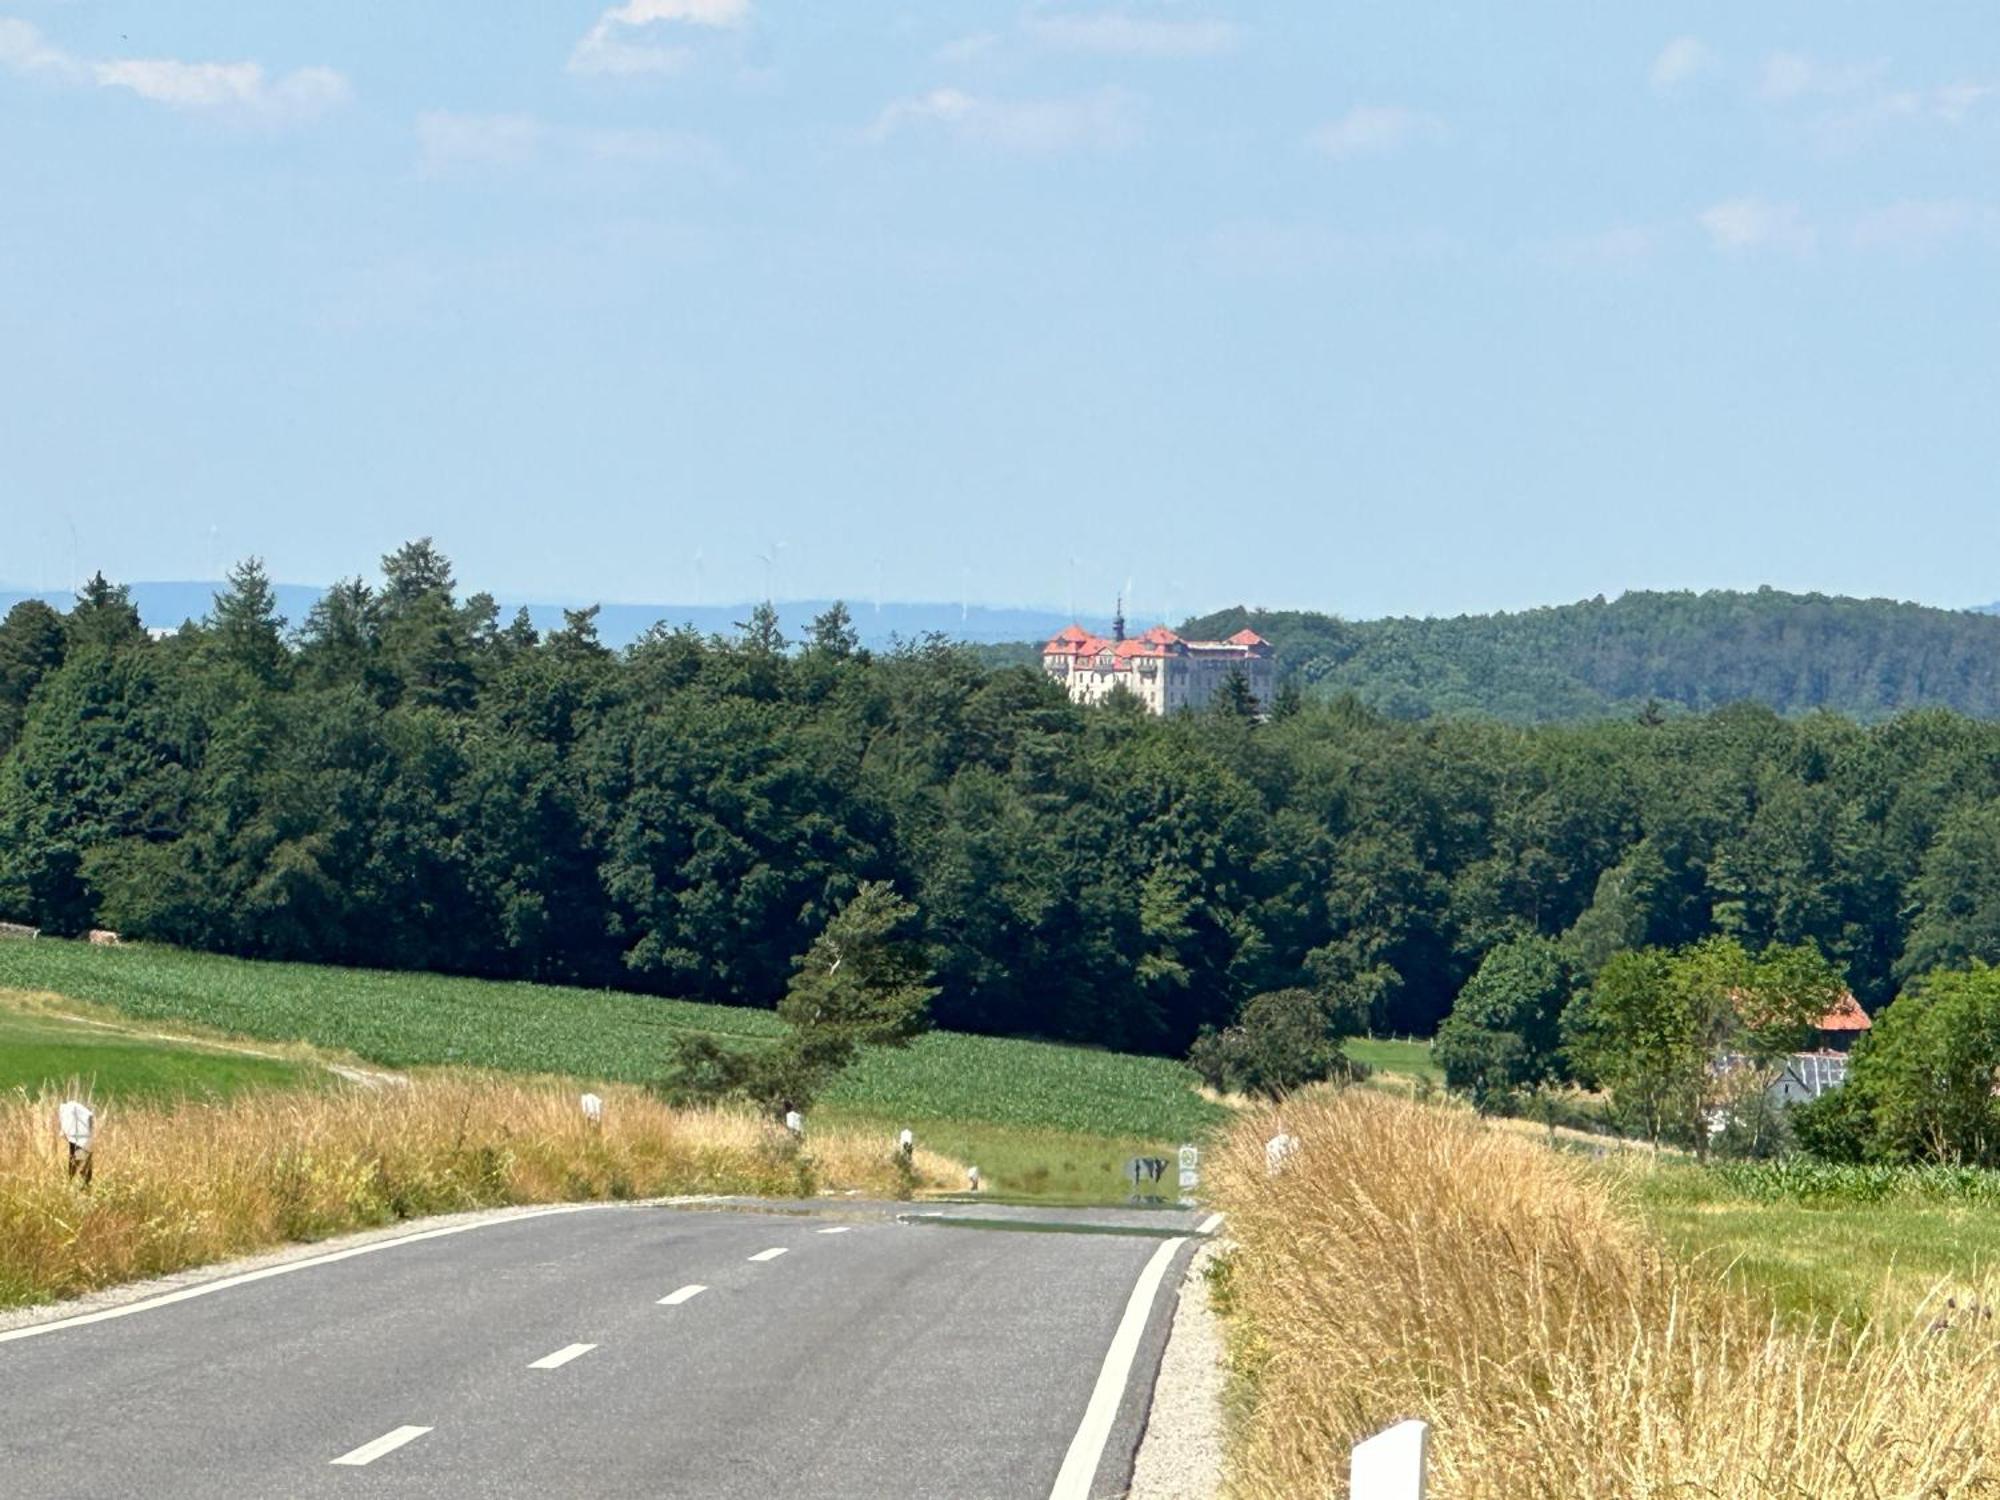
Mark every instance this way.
x=1796 y=652
x=40 y=1052
x=411 y=1020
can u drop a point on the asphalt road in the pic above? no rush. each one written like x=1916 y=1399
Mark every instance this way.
x=873 y=1356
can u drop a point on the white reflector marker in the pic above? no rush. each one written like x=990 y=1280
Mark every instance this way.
x=685 y=1294
x=769 y=1254
x=841 y=1229
x=389 y=1442
x=561 y=1357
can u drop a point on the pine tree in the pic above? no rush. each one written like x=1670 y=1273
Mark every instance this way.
x=247 y=627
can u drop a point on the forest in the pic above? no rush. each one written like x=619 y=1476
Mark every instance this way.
x=1868 y=658
x=403 y=780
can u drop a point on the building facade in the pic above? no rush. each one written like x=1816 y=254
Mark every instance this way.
x=1164 y=672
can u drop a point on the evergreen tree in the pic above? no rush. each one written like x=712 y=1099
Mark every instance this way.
x=247 y=629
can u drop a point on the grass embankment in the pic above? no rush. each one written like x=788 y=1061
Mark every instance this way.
x=198 y=1181
x=1411 y=1261
x=1039 y=1120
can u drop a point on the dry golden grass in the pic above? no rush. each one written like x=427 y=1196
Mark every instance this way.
x=196 y=1182
x=1410 y=1261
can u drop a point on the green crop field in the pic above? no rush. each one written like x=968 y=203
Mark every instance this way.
x=413 y=1020
x=1826 y=1242
x=39 y=1051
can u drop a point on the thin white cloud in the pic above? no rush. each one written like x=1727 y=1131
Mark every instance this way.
x=1745 y=224
x=626 y=40
x=1123 y=34
x=965 y=48
x=1921 y=226
x=1679 y=61
x=450 y=144
x=1374 y=130
x=1104 y=120
x=238 y=90
x=1792 y=75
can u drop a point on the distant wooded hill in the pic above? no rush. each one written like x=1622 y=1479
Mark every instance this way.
x=1796 y=652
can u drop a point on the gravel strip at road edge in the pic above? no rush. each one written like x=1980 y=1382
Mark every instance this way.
x=1180 y=1456
x=128 y=1292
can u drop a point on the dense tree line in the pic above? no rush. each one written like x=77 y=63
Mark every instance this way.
x=405 y=780
x=1868 y=658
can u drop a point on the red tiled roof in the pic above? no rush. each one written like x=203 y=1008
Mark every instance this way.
x=1846 y=1015
x=1246 y=638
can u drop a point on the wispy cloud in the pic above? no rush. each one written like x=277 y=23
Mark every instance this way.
x=964 y=49
x=1125 y=34
x=242 y=91
x=1680 y=61
x=635 y=39
x=450 y=144
x=1793 y=75
x=1923 y=226
x=1737 y=225
x=1374 y=130
x=1104 y=120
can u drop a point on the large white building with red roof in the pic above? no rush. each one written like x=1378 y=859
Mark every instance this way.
x=1161 y=670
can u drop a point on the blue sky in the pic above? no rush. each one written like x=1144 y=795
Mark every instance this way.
x=1365 y=307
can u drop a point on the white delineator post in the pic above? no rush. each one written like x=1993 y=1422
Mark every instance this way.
x=593 y=1109
x=1277 y=1150
x=795 y=1122
x=1391 y=1464
x=907 y=1144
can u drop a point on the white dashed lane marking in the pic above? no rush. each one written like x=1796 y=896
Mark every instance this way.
x=841 y=1229
x=389 y=1442
x=771 y=1254
x=562 y=1356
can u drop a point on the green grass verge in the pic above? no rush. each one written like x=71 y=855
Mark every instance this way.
x=1411 y=1059
x=412 y=1020
x=1872 y=1255
x=38 y=1052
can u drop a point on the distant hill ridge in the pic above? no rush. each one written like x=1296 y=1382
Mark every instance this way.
x=1868 y=658
x=164 y=605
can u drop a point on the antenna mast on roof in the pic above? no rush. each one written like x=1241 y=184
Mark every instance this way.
x=1118 y=621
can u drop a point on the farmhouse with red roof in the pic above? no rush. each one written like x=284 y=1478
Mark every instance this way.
x=1164 y=672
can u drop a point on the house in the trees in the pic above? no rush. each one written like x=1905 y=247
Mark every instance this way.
x=1823 y=1065
x=1159 y=668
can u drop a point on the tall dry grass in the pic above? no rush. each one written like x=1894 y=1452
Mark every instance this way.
x=196 y=1182
x=1411 y=1262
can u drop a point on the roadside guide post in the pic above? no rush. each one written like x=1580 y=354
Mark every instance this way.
x=1277 y=1150
x=78 y=1125
x=907 y=1144
x=593 y=1110
x=795 y=1122
x=1390 y=1465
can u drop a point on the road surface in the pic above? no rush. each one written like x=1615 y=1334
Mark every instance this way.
x=840 y=1351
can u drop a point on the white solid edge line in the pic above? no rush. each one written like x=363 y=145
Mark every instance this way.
x=561 y=1357
x=34 y=1330
x=1209 y=1225
x=388 y=1442
x=839 y=1229
x=675 y=1299
x=1086 y=1449
x=771 y=1254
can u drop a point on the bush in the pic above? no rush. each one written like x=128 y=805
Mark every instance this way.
x=1283 y=1039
